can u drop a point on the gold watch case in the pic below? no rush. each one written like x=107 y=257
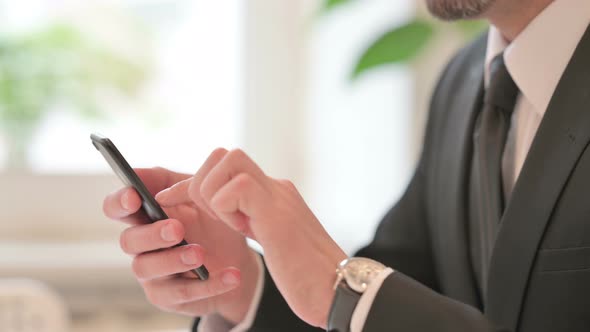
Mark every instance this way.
x=358 y=272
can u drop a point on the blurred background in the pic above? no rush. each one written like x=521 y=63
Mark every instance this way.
x=331 y=94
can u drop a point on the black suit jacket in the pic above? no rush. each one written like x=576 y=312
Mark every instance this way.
x=539 y=277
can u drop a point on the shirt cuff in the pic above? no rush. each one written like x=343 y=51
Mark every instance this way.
x=216 y=323
x=360 y=313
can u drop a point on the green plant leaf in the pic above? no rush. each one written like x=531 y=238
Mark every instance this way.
x=471 y=28
x=330 y=4
x=398 y=45
x=60 y=64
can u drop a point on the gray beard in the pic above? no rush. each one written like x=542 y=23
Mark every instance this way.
x=458 y=9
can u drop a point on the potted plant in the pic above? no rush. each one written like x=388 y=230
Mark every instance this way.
x=404 y=43
x=57 y=65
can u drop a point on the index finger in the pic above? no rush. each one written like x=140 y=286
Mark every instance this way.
x=189 y=190
x=177 y=194
x=157 y=179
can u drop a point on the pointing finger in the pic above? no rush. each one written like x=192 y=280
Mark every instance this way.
x=175 y=195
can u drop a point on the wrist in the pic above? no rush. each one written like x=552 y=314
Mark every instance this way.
x=326 y=286
x=354 y=277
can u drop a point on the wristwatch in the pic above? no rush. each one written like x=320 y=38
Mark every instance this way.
x=353 y=276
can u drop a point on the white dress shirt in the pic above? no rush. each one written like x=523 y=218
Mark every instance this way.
x=536 y=59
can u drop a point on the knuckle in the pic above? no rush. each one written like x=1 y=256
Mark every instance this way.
x=243 y=181
x=204 y=192
x=170 y=309
x=124 y=242
x=180 y=229
x=218 y=152
x=105 y=209
x=159 y=169
x=152 y=298
x=185 y=308
x=237 y=155
x=193 y=309
x=107 y=203
x=200 y=193
x=288 y=184
x=194 y=191
x=177 y=228
x=184 y=293
x=136 y=267
x=315 y=320
x=210 y=288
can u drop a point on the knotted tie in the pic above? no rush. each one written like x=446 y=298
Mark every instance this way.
x=489 y=139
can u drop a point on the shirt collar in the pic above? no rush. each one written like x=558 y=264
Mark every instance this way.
x=538 y=56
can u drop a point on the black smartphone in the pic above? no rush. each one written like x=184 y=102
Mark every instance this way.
x=121 y=167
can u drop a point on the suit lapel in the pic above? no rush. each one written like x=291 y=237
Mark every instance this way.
x=561 y=138
x=456 y=272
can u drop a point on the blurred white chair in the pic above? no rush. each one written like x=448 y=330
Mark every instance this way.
x=31 y=306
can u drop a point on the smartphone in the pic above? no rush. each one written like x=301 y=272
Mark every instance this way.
x=149 y=205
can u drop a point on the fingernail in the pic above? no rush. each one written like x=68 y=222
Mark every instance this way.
x=167 y=233
x=189 y=256
x=229 y=278
x=125 y=201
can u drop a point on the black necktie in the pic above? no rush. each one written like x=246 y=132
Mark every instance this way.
x=489 y=139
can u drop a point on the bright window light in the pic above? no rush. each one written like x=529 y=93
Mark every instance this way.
x=188 y=104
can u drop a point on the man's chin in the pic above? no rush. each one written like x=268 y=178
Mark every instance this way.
x=452 y=10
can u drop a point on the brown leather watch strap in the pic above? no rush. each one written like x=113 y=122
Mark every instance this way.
x=343 y=305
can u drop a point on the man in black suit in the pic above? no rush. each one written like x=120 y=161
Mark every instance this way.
x=490 y=235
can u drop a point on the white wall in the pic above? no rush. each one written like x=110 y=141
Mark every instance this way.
x=275 y=72
x=359 y=132
x=347 y=146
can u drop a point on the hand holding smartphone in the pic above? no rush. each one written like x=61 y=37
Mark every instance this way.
x=121 y=167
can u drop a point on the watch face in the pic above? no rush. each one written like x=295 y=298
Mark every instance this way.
x=359 y=272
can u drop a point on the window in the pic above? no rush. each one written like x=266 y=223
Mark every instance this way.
x=188 y=104
x=53 y=229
